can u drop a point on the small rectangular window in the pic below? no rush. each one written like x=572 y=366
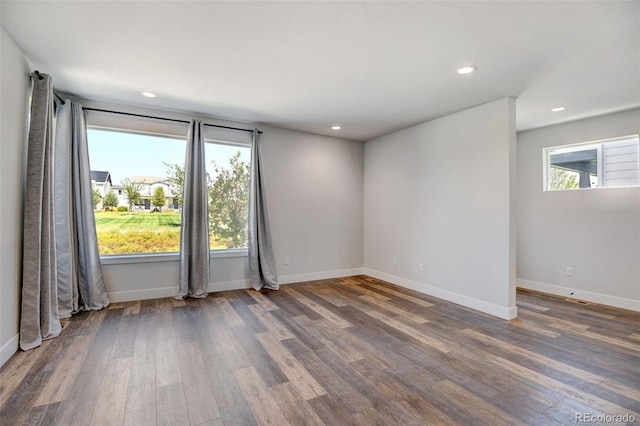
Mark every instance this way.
x=607 y=163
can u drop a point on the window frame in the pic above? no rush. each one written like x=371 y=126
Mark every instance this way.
x=117 y=259
x=581 y=146
x=237 y=251
x=133 y=258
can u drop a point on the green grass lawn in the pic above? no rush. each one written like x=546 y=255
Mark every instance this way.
x=137 y=221
x=141 y=232
x=138 y=232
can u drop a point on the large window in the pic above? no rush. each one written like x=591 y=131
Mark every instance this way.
x=228 y=186
x=137 y=184
x=601 y=164
x=137 y=196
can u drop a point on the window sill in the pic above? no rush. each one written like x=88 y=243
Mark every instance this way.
x=166 y=257
x=598 y=188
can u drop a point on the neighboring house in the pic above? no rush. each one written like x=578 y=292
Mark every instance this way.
x=149 y=185
x=122 y=200
x=101 y=182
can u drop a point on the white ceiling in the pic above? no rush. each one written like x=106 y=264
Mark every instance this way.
x=373 y=67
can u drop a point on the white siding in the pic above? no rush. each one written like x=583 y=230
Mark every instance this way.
x=620 y=160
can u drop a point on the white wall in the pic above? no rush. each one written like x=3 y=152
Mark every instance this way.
x=14 y=92
x=442 y=194
x=314 y=186
x=594 y=231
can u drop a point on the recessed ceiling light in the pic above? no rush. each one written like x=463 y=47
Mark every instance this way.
x=558 y=109
x=336 y=127
x=467 y=69
x=149 y=94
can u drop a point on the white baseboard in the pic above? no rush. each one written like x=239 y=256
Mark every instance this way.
x=469 y=302
x=588 y=296
x=8 y=349
x=148 y=293
x=229 y=285
x=323 y=275
x=156 y=293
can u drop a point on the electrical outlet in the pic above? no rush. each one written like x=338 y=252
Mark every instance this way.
x=286 y=260
x=568 y=271
x=421 y=267
x=394 y=261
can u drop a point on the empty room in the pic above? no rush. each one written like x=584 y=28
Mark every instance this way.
x=319 y=212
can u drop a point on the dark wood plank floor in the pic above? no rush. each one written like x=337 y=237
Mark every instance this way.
x=354 y=350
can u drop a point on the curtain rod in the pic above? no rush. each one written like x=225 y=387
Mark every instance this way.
x=36 y=72
x=175 y=120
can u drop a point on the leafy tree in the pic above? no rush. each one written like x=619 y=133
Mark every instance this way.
x=96 y=198
x=131 y=192
x=560 y=179
x=228 y=199
x=159 y=198
x=175 y=176
x=111 y=199
x=229 y=202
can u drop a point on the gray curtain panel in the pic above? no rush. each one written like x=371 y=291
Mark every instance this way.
x=63 y=194
x=39 y=316
x=80 y=281
x=262 y=265
x=194 y=235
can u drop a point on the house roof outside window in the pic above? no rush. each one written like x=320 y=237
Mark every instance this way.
x=100 y=176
